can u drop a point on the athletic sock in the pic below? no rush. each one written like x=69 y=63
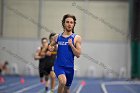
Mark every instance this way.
x=52 y=91
x=46 y=88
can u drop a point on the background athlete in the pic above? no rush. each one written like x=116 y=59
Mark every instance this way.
x=46 y=62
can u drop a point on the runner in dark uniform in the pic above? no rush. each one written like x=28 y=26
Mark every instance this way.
x=3 y=67
x=46 y=62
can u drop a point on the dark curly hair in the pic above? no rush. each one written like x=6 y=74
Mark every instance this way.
x=44 y=38
x=69 y=16
x=51 y=35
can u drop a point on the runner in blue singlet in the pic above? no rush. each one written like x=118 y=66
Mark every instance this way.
x=69 y=45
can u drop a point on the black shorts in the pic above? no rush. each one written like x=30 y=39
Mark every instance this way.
x=44 y=70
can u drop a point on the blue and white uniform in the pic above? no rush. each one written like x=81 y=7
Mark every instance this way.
x=64 y=63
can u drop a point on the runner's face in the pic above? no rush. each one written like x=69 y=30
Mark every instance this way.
x=52 y=38
x=44 y=42
x=69 y=24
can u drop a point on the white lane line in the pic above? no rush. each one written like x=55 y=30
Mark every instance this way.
x=27 y=88
x=120 y=83
x=2 y=87
x=79 y=89
x=5 y=86
x=104 y=88
x=40 y=91
x=13 y=84
x=76 y=87
x=130 y=89
x=82 y=84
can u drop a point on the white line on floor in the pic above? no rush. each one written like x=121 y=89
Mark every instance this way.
x=28 y=88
